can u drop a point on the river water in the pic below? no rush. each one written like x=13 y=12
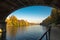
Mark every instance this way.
x=33 y=32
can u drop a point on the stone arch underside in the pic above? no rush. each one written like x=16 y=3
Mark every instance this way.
x=8 y=6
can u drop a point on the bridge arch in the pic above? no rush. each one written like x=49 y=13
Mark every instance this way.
x=8 y=6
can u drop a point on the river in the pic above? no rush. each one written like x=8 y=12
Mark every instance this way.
x=33 y=32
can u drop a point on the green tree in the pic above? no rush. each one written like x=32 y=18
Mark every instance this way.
x=55 y=15
x=54 y=18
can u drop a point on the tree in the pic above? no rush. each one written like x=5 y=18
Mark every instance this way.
x=54 y=18
x=23 y=23
x=12 y=21
x=55 y=15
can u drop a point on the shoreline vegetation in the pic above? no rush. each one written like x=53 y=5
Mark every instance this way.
x=52 y=20
x=13 y=21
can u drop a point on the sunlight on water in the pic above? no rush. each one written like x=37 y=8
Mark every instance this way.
x=25 y=33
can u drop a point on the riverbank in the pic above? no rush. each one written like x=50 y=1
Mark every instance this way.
x=52 y=25
x=55 y=33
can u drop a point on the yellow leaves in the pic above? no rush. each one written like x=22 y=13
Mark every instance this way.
x=23 y=23
x=13 y=21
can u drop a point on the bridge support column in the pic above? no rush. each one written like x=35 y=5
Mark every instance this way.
x=3 y=28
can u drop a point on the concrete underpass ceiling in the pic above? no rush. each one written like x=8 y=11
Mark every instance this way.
x=8 y=6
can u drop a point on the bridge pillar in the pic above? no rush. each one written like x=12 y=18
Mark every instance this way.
x=3 y=28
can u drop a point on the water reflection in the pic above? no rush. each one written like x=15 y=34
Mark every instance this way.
x=25 y=32
x=22 y=28
x=0 y=35
x=11 y=32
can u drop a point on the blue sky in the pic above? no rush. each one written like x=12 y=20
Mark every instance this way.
x=34 y=14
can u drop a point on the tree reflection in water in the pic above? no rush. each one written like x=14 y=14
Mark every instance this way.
x=0 y=35
x=11 y=31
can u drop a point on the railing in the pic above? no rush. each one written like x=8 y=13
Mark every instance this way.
x=47 y=34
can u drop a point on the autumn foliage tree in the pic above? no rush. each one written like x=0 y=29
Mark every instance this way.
x=12 y=21
x=23 y=23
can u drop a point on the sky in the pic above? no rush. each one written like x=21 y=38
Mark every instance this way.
x=35 y=14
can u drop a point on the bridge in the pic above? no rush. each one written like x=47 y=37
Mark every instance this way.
x=8 y=6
